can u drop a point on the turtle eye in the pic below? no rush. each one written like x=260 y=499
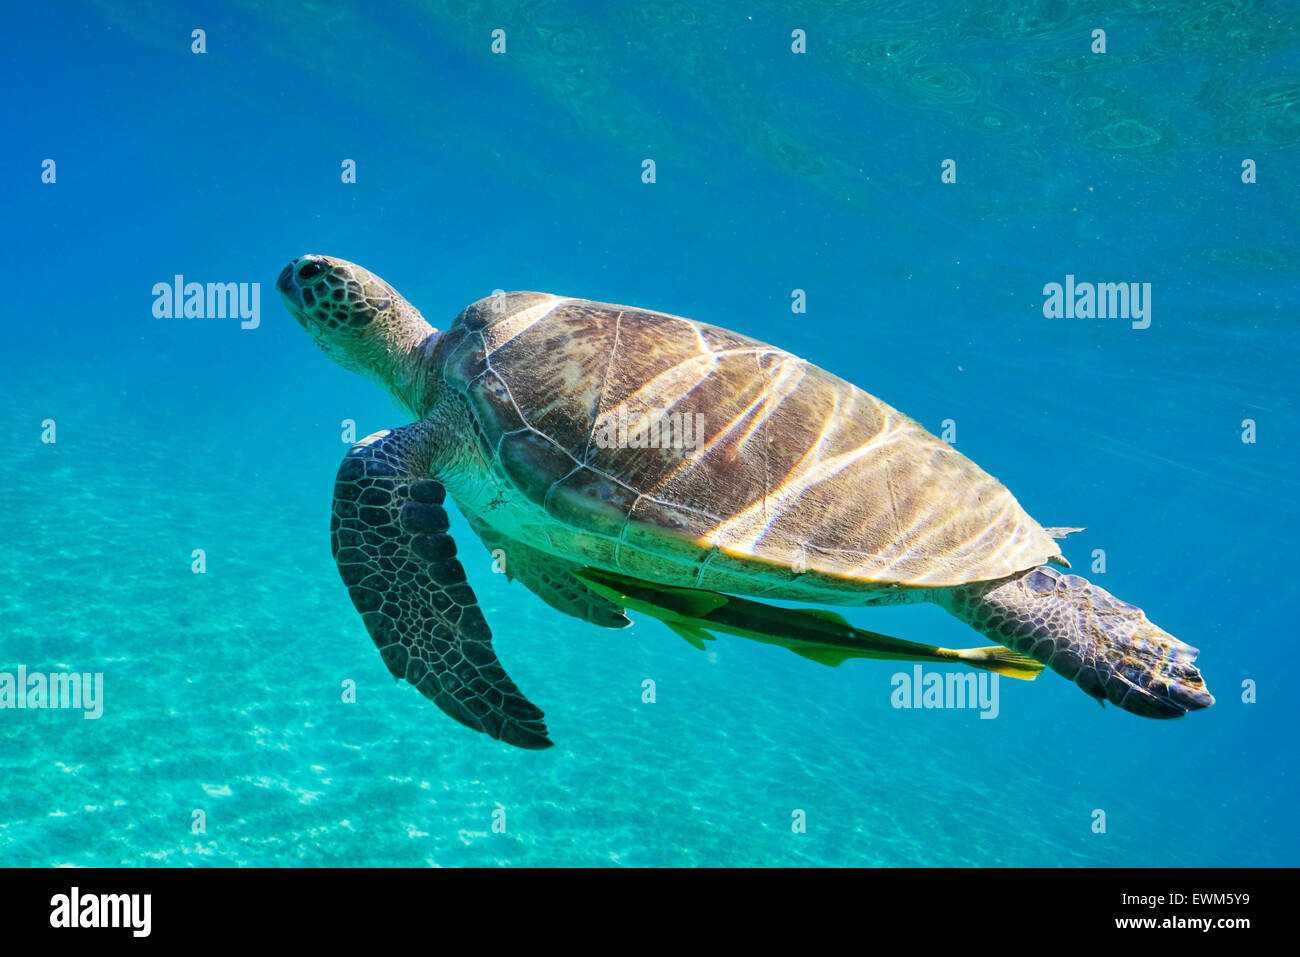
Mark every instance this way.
x=310 y=271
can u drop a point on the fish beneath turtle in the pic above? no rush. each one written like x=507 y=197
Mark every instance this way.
x=620 y=457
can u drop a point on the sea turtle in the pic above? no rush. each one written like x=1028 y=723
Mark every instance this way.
x=586 y=438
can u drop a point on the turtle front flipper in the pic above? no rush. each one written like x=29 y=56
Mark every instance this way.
x=550 y=579
x=389 y=535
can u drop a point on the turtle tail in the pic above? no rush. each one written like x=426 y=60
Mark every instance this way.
x=1107 y=647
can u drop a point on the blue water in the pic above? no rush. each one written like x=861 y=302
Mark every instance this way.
x=775 y=171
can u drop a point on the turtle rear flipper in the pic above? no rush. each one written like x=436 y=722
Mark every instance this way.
x=389 y=536
x=1107 y=647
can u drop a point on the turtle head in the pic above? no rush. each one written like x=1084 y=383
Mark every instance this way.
x=360 y=321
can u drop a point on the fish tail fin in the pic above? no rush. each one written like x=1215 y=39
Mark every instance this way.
x=1001 y=661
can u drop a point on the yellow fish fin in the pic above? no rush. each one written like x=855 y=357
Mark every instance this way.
x=1001 y=661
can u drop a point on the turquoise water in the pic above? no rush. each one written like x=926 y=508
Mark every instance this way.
x=775 y=171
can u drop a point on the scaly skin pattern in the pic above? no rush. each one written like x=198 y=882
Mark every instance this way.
x=389 y=536
x=1106 y=646
x=363 y=324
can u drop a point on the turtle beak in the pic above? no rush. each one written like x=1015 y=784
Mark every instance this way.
x=291 y=292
